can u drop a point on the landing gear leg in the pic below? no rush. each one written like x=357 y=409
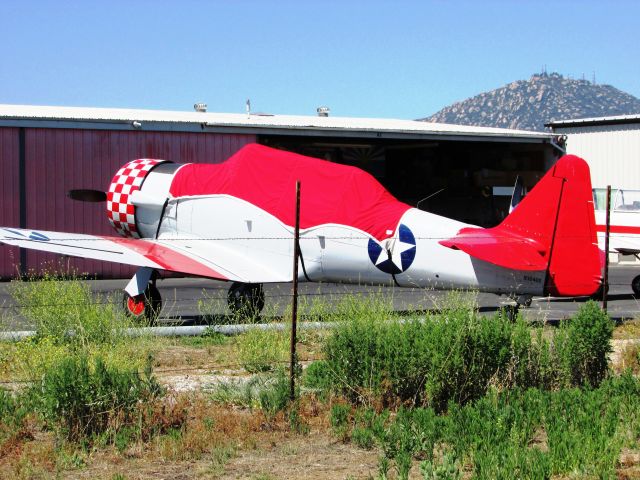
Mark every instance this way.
x=141 y=300
x=245 y=300
x=511 y=310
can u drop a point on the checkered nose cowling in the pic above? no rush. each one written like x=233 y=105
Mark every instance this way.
x=120 y=210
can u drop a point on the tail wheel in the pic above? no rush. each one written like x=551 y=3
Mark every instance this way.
x=635 y=285
x=511 y=312
x=599 y=295
x=145 y=306
x=245 y=300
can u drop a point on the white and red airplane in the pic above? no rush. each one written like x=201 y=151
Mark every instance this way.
x=234 y=221
x=624 y=224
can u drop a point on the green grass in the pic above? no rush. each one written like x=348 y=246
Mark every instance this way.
x=69 y=321
x=263 y=350
x=514 y=434
x=67 y=311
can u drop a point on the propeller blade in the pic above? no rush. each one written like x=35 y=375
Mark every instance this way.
x=85 y=195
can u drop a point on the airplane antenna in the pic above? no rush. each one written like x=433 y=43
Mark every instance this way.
x=427 y=198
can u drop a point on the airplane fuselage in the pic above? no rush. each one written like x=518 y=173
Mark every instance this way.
x=411 y=256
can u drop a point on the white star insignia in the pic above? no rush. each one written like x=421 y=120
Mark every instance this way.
x=397 y=250
x=383 y=256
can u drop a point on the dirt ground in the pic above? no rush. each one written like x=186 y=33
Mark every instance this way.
x=276 y=455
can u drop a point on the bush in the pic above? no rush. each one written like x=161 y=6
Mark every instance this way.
x=274 y=397
x=458 y=354
x=7 y=405
x=14 y=408
x=84 y=400
x=452 y=356
x=581 y=426
x=589 y=345
x=339 y=419
x=467 y=352
x=367 y=351
x=447 y=469
x=65 y=310
x=31 y=357
x=318 y=375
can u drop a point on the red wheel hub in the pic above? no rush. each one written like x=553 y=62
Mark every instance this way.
x=135 y=306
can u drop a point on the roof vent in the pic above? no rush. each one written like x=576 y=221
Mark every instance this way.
x=200 y=107
x=323 y=111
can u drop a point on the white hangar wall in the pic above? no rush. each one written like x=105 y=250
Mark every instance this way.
x=611 y=147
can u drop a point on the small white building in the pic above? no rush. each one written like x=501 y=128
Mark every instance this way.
x=610 y=145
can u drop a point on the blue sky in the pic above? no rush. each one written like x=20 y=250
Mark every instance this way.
x=402 y=59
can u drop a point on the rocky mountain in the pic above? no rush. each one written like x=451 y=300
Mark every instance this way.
x=529 y=104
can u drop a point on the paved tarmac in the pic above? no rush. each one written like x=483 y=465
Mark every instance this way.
x=197 y=300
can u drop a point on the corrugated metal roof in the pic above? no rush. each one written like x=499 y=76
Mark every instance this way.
x=635 y=118
x=256 y=121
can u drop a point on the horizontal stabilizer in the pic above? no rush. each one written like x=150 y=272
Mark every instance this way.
x=509 y=251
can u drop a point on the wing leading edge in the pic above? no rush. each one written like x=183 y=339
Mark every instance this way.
x=171 y=255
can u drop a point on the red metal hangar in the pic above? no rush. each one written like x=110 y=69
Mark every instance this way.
x=46 y=151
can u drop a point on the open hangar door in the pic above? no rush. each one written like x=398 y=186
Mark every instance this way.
x=468 y=181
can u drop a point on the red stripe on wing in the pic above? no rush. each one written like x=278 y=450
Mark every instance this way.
x=167 y=258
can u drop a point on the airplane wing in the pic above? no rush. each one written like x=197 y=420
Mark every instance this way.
x=497 y=247
x=175 y=256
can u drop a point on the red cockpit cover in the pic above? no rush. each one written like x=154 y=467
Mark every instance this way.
x=266 y=177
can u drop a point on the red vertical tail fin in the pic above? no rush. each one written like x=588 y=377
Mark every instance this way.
x=558 y=214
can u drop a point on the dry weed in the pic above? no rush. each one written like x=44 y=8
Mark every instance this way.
x=629 y=358
x=28 y=456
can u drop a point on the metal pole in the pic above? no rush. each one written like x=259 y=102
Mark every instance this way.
x=605 y=283
x=294 y=304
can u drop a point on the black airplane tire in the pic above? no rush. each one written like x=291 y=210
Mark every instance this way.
x=526 y=302
x=635 y=285
x=143 y=308
x=245 y=300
